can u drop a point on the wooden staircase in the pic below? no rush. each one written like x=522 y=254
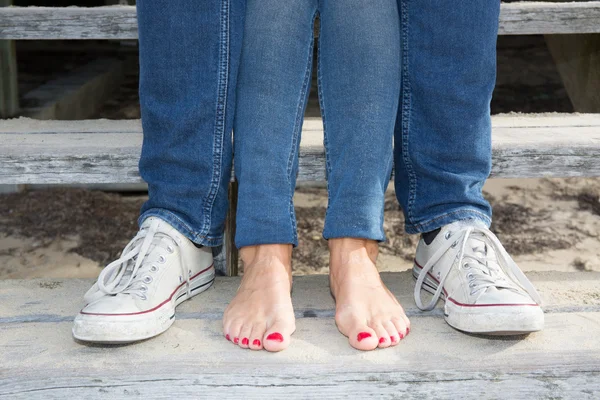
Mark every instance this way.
x=38 y=358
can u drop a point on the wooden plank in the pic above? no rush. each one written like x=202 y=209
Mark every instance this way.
x=9 y=87
x=40 y=360
x=232 y=254
x=103 y=151
x=119 y=22
x=77 y=95
x=58 y=300
x=577 y=59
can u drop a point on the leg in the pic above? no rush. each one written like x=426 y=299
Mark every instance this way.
x=359 y=81
x=189 y=56
x=443 y=133
x=188 y=62
x=273 y=87
x=443 y=157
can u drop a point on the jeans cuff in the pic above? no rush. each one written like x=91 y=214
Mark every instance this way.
x=448 y=218
x=182 y=227
x=378 y=236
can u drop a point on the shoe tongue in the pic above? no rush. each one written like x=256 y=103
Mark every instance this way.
x=479 y=245
x=163 y=227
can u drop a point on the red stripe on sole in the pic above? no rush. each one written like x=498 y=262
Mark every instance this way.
x=155 y=308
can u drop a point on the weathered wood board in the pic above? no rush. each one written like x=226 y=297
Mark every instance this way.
x=119 y=22
x=40 y=360
x=103 y=151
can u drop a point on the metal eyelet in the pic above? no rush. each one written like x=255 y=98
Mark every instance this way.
x=153 y=268
x=143 y=297
x=454 y=244
x=162 y=259
x=472 y=285
x=144 y=288
x=470 y=276
x=170 y=249
x=448 y=235
x=147 y=279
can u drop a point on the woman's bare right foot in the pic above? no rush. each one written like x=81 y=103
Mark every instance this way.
x=261 y=315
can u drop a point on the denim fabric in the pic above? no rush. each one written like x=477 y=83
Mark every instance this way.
x=443 y=133
x=359 y=82
x=189 y=57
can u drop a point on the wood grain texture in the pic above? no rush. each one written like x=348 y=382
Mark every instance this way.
x=103 y=151
x=120 y=22
x=40 y=360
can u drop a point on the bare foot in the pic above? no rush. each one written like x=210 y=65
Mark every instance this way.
x=366 y=311
x=261 y=315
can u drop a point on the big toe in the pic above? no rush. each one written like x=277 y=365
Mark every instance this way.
x=363 y=338
x=278 y=337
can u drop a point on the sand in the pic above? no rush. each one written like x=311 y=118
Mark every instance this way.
x=547 y=224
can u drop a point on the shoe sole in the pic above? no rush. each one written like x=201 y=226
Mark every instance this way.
x=494 y=320
x=122 y=329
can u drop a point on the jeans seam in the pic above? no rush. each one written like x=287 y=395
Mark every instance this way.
x=323 y=117
x=219 y=132
x=406 y=112
x=297 y=127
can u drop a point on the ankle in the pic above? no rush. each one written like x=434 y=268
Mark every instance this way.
x=352 y=260
x=268 y=259
x=344 y=251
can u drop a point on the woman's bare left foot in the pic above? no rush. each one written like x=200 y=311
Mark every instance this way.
x=366 y=311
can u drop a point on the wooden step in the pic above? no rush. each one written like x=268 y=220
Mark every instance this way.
x=119 y=22
x=40 y=360
x=103 y=151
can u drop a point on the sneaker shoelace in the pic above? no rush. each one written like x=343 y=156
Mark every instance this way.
x=129 y=273
x=487 y=268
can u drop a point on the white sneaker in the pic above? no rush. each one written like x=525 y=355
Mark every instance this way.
x=135 y=296
x=484 y=290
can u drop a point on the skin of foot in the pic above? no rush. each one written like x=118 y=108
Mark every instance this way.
x=366 y=311
x=261 y=315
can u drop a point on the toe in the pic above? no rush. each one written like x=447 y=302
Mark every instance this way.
x=395 y=336
x=245 y=336
x=363 y=338
x=401 y=327
x=278 y=336
x=234 y=331
x=383 y=336
x=256 y=337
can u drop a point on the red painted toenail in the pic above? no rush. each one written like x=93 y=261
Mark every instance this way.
x=393 y=339
x=227 y=337
x=277 y=337
x=407 y=331
x=256 y=342
x=363 y=335
x=245 y=341
x=382 y=340
x=401 y=336
x=236 y=340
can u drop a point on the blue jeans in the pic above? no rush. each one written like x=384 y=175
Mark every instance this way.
x=359 y=82
x=189 y=58
x=443 y=133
